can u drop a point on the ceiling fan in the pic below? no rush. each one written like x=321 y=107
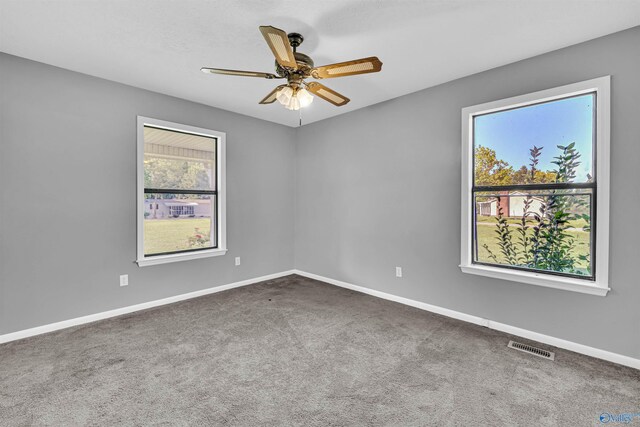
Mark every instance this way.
x=296 y=67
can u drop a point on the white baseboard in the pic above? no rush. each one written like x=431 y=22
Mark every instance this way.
x=513 y=330
x=130 y=309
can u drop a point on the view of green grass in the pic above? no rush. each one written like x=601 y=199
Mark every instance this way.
x=168 y=235
x=487 y=234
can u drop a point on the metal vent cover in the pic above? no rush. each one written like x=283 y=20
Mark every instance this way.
x=526 y=348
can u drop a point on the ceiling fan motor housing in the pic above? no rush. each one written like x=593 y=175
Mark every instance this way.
x=305 y=64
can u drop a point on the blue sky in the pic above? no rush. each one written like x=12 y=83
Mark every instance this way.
x=512 y=133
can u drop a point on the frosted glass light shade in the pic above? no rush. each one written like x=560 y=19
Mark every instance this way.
x=294 y=104
x=294 y=100
x=284 y=95
x=304 y=97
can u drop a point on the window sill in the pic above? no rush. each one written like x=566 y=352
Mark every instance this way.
x=539 y=279
x=163 y=259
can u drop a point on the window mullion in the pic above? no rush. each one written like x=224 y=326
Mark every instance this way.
x=177 y=191
x=525 y=187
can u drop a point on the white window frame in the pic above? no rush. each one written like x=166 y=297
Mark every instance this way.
x=600 y=286
x=143 y=260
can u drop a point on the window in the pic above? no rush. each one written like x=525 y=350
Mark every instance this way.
x=181 y=192
x=535 y=188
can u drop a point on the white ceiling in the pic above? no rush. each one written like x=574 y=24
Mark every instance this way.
x=160 y=45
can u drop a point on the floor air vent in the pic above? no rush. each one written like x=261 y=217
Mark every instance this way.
x=532 y=350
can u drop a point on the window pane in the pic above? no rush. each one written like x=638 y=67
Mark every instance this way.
x=542 y=230
x=175 y=160
x=178 y=222
x=524 y=145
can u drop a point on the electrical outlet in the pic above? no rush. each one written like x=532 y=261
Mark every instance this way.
x=398 y=271
x=124 y=280
x=237 y=260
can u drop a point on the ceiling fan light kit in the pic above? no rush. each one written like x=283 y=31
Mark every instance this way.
x=296 y=67
x=294 y=98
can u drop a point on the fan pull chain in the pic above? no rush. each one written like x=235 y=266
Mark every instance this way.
x=300 y=122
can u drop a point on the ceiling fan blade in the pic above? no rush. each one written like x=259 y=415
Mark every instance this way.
x=239 y=73
x=279 y=44
x=269 y=99
x=349 y=68
x=327 y=94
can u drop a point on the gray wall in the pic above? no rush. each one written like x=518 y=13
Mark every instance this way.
x=67 y=144
x=373 y=189
x=380 y=187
